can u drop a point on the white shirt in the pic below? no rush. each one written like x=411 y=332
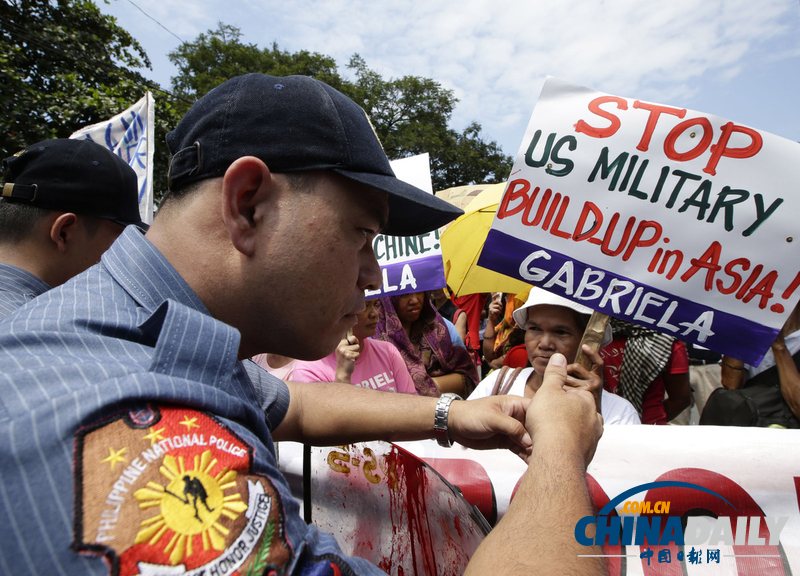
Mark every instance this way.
x=615 y=409
x=792 y=345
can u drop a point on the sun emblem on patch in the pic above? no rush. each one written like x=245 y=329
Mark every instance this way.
x=190 y=504
x=166 y=490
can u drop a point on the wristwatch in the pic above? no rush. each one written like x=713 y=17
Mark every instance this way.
x=440 y=419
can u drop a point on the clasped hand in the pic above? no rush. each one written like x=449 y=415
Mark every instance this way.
x=559 y=412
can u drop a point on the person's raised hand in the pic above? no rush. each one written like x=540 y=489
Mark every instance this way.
x=564 y=417
x=592 y=380
x=492 y=422
x=495 y=310
x=347 y=353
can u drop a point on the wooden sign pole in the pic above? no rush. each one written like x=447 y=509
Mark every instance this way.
x=593 y=336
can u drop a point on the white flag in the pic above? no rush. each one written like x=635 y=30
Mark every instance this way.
x=129 y=135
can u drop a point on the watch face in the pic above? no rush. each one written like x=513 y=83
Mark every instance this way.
x=440 y=418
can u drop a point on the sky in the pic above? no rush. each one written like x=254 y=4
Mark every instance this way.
x=738 y=59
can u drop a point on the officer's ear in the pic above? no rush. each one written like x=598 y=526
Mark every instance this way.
x=63 y=230
x=246 y=185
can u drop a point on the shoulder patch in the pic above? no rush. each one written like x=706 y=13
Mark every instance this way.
x=167 y=491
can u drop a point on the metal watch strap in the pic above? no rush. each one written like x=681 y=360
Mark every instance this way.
x=440 y=419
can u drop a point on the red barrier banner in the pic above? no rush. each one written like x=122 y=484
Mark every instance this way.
x=737 y=488
x=384 y=504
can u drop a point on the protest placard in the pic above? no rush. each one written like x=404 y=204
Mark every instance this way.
x=129 y=135
x=410 y=263
x=676 y=220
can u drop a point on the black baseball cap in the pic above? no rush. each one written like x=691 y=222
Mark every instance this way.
x=73 y=176
x=296 y=123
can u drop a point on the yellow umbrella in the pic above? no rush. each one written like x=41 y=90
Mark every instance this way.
x=462 y=195
x=462 y=243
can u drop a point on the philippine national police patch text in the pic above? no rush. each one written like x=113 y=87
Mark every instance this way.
x=167 y=491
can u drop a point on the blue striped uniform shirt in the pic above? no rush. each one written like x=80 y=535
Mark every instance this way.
x=17 y=287
x=126 y=332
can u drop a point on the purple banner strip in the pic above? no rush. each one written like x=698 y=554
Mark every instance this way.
x=413 y=276
x=627 y=299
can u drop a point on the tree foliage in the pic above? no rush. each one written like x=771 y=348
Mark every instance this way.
x=217 y=55
x=65 y=65
x=410 y=114
x=470 y=159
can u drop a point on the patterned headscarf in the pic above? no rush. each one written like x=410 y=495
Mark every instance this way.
x=645 y=356
x=429 y=352
x=507 y=326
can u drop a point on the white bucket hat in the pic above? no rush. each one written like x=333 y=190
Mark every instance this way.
x=538 y=296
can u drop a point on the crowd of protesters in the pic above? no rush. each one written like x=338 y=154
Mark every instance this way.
x=646 y=377
x=135 y=434
x=262 y=249
x=436 y=345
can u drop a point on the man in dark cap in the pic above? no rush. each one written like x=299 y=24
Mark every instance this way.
x=64 y=202
x=135 y=438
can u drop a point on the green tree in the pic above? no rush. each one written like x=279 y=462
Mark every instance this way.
x=470 y=159
x=65 y=65
x=217 y=55
x=410 y=114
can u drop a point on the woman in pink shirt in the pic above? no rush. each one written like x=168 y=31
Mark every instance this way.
x=361 y=361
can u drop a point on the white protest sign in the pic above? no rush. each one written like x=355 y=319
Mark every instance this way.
x=673 y=219
x=410 y=263
x=129 y=135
